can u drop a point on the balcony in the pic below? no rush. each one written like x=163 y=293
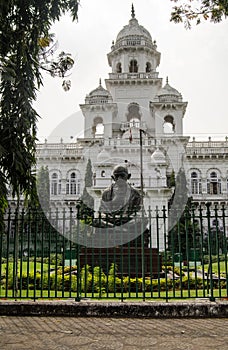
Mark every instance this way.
x=59 y=150
x=207 y=149
x=129 y=76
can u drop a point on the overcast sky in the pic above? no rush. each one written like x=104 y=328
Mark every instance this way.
x=196 y=62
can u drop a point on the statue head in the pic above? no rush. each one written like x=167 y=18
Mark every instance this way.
x=120 y=172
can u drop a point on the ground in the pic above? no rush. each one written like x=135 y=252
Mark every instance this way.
x=65 y=333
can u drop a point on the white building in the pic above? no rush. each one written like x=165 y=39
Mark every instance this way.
x=136 y=98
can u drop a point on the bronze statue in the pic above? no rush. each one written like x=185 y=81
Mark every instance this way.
x=120 y=198
x=121 y=216
x=121 y=201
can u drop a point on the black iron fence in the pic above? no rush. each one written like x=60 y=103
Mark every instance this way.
x=61 y=255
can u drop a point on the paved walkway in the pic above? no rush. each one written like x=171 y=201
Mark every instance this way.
x=65 y=333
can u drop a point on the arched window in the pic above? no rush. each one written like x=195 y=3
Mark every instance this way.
x=99 y=130
x=133 y=68
x=196 y=187
x=148 y=67
x=103 y=173
x=55 y=184
x=168 y=126
x=98 y=127
x=133 y=112
x=73 y=185
x=118 y=68
x=213 y=183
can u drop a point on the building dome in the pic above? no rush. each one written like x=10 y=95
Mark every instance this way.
x=133 y=30
x=169 y=94
x=158 y=157
x=133 y=33
x=123 y=57
x=98 y=96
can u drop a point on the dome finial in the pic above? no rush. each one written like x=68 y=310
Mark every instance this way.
x=132 y=11
x=167 y=80
x=100 y=82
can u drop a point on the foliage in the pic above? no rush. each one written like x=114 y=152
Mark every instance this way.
x=183 y=232
x=179 y=199
x=23 y=24
x=59 y=65
x=87 y=201
x=192 y=10
x=86 y=278
x=184 y=236
x=95 y=280
x=114 y=281
x=171 y=180
x=43 y=188
x=3 y=195
x=218 y=242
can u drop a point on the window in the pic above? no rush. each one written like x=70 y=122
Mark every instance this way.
x=73 y=185
x=168 y=126
x=148 y=67
x=213 y=183
x=99 y=130
x=118 y=68
x=196 y=187
x=133 y=68
x=98 y=127
x=133 y=112
x=103 y=173
x=55 y=184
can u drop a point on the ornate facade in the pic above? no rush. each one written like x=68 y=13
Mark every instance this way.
x=134 y=103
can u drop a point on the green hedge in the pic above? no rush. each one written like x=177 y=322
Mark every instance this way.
x=96 y=281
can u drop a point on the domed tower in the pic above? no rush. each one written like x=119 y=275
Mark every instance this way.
x=134 y=80
x=168 y=110
x=98 y=112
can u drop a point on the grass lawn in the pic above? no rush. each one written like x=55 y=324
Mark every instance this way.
x=215 y=267
x=155 y=296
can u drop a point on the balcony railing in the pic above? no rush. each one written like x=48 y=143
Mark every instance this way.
x=150 y=75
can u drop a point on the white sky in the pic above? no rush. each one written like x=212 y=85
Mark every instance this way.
x=196 y=62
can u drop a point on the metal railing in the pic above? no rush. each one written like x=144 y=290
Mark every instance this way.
x=63 y=255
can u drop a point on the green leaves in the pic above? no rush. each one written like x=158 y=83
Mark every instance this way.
x=191 y=10
x=23 y=24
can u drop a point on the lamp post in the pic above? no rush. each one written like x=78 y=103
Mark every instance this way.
x=141 y=162
x=141 y=132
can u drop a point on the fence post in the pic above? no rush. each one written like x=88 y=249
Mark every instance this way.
x=211 y=297
x=16 y=247
x=78 y=297
x=225 y=241
x=143 y=255
x=165 y=253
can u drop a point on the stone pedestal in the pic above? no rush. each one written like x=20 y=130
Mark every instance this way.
x=127 y=259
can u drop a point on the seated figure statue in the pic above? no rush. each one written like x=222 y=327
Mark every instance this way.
x=121 y=216
x=120 y=202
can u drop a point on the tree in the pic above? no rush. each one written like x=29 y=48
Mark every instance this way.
x=25 y=25
x=56 y=66
x=87 y=201
x=192 y=10
x=184 y=236
x=179 y=199
x=43 y=189
x=183 y=232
